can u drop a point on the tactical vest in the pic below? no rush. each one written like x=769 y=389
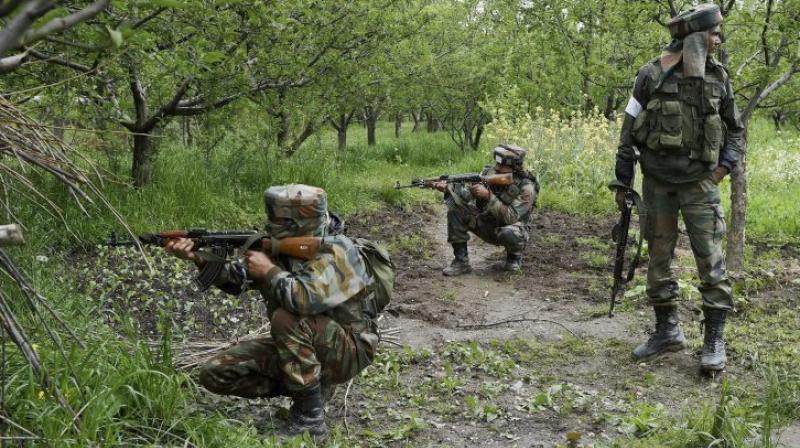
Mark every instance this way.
x=508 y=194
x=682 y=114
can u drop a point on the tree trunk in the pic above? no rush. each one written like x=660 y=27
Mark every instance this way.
x=478 y=134
x=308 y=130
x=610 y=111
x=186 y=131
x=371 y=130
x=736 y=232
x=431 y=122
x=341 y=136
x=283 y=129
x=371 y=119
x=341 y=124
x=398 y=122
x=416 y=117
x=142 y=159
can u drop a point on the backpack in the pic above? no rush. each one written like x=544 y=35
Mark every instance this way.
x=382 y=269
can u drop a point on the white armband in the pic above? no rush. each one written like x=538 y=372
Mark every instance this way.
x=633 y=108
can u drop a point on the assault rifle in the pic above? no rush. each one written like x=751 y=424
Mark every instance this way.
x=502 y=180
x=226 y=241
x=620 y=236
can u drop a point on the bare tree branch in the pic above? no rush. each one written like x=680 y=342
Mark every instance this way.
x=673 y=11
x=763 y=93
x=60 y=61
x=11 y=33
x=747 y=62
x=143 y=21
x=764 y=45
x=167 y=109
x=62 y=23
x=10 y=63
x=68 y=43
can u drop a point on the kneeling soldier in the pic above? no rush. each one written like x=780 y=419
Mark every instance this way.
x=498 y=215
x=322 y=313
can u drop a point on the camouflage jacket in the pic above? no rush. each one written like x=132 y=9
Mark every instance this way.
x=336 y=282
x=507 y=205
x=677 y=168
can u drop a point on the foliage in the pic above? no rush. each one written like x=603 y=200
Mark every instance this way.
x=572 y=155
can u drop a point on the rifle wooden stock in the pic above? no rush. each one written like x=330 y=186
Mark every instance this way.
x=10 y=235
x=500 y=180
x=304 y=247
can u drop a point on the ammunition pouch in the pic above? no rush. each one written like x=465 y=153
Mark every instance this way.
x=682 y=117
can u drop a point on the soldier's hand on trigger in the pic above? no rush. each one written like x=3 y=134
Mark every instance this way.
x=479 y=191
x=181 y=248
x=258 y=264
x=619 y=197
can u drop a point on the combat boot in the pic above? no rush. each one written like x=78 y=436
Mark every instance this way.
x=307 y=415
x=460 y=264
x=713 y=357
x=668 y=336
x=513 y=263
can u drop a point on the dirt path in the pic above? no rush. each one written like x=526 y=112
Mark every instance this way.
x=568 y=345
x=434 y=308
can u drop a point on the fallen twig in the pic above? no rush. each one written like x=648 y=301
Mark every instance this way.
x=511 y=321
x=346 y=393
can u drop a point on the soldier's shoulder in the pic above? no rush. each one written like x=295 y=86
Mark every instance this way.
x=339 y=241
x=720 y=68
x=651 y=68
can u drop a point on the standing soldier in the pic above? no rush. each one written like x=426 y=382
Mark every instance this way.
x=322 y=312
x=499 y=214
x=683 y=120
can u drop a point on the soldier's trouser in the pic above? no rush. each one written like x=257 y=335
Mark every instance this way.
x=699 y=203
x=461 y=221
x=300 y=353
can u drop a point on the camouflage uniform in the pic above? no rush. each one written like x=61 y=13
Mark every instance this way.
x=322 y=323
x=502 y=220
x=683 y=119
x=679 y=181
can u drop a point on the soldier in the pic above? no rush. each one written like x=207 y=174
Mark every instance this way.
x=322 y=313
x=684 y=122
x=498 y=215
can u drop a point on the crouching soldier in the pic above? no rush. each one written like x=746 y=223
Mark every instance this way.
x=322 y=312
x=498 y=214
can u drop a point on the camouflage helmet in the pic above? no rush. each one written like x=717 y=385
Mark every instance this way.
x=510 y=155
x=699 y=18
x=296 y=209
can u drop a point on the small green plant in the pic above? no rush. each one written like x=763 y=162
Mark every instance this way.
x=595 y=259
